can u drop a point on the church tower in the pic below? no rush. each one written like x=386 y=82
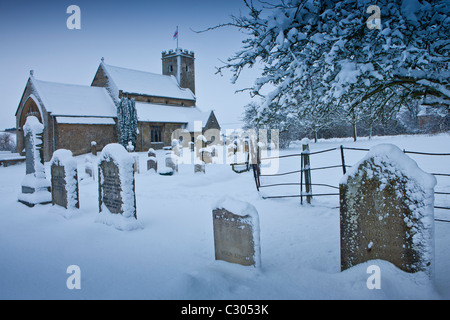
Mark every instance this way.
x=180 y=64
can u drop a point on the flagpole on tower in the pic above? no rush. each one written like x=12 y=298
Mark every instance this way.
x=176 y=35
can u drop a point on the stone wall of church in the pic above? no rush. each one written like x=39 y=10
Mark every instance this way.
x=78 y=137
x=144 y=141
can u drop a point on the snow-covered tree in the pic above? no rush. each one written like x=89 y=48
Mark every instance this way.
x=328 y=43
x=127 y=122
x=7 y=142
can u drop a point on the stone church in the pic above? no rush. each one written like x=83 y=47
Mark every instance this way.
x=75 y=115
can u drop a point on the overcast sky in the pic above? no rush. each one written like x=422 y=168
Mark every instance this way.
x=131 y=34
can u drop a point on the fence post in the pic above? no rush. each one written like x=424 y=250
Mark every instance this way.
x=307 y=169
x=344 y=170
x=254 y=162
x=301 y=178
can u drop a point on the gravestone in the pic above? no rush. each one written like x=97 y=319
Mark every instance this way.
x=117 y=187
x=88 y=167
x=64 y=180
x=199 y=146
x=387 y=212
x=205 y=156
x=94 y=148
x=236 y=232
x=110 y=187
x=176 y=149
x=199 y=167
x=152 y=162
x=35 y=186
x=172 y=161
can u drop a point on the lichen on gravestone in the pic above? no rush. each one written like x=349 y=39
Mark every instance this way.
x=236 y=232
x=387 y=212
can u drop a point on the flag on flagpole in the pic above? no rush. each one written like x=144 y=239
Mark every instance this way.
x=175 y=36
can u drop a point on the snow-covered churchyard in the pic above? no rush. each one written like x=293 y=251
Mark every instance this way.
x=168 y=252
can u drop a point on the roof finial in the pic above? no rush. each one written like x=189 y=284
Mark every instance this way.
x=31 y=73
x=103 y=59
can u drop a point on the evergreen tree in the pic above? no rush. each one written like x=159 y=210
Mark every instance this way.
x=127 y=122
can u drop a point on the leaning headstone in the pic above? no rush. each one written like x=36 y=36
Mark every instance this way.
x=64 y=179
x=387 y=212
x=152 y=162
x=35 y=186
x=117 y=199
x=236 y=232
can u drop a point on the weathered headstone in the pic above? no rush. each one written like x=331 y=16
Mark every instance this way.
x=116 y=187
x=172 y=161
x=199 y=167
x=200 y=144
x=205 y=155
x=176 y=149
x=35 y=186
x=387 y=212
x=236 y=232
x=94 y=148
x=64 y=179
x=152 y=162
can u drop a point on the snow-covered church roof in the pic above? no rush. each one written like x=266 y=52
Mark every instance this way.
x=145 y=83
x=74 y=100
x=158 y=113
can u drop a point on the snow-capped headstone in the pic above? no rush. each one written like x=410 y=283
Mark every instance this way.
x=200 y=145
x=117 y=198
x=152 y=162
x=205 y=155
x=176 y=147
x=199 y=167
x=64 y=179
x=172 y=161
x=236 y=232
x=94 y=148
x=387 y=212
x=35 y=186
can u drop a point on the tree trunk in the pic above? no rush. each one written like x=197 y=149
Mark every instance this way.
x=355 y=136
